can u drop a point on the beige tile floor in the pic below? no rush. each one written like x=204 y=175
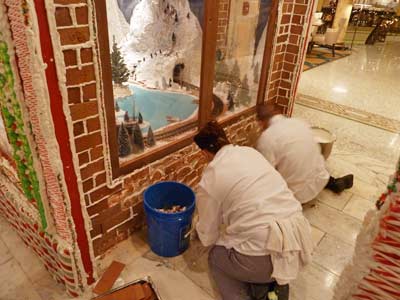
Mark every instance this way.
x=367 y=79
x=368 y=152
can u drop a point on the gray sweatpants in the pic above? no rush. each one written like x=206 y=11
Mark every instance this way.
x=234 y=272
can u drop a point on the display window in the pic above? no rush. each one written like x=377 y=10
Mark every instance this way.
x=169 y=66
x=239 y=64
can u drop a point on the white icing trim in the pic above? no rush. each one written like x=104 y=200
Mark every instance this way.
x=303 y=39
x=79 y=65
x=6 y=33
x=19 y=199
x=72 y=26
x=60 y=68
x=275 y=45
x=123 y=222
x=82 y=45
x=102 y=114
x=74 y=5
x=82 y=85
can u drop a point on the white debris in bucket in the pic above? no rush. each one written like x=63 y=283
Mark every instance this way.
x=172 y=210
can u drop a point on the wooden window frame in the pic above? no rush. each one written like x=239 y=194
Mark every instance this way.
x=208 y=60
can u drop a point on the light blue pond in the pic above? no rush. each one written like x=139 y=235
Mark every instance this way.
x=155 y=106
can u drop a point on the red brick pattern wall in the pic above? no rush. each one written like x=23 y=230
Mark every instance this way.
x=291 y=36
x=115 y=217
x=223 y=24
x=116 y=212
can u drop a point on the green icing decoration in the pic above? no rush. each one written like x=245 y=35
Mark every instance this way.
x=12 y=115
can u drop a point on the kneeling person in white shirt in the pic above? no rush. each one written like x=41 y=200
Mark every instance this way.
x=289 y=145
x=251 y=218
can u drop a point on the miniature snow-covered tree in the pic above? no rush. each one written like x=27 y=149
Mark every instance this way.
x=243 y=95
x=137 y=139
x=219 y=55
x=140 y=118
x=151 y=141
x=231 y=103
x=133 y=110
x=235 y=73
x=234 y=77
x=126 y=117
x=221 y=71
x=120 y=72
x=123 y=141
x=256 y=73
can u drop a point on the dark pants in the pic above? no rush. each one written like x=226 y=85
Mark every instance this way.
x=234 y=272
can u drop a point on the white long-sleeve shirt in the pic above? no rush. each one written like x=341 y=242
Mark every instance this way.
x=241 y=192
x=289 y=145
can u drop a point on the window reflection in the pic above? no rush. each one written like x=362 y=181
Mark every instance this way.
x=240 y=53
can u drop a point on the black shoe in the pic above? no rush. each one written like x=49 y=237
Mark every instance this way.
x=260 y=291
x=280 y=292
x=349 y=181
x=342 y=183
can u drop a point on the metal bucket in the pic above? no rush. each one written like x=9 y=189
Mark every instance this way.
x=325 y=139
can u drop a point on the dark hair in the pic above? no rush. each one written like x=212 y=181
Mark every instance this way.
x=267 y=111
x=211 y=137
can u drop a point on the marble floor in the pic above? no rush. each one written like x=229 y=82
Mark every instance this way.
x=368 y=152
x=366 y=80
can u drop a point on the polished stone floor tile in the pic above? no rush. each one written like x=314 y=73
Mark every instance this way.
x=333 y=222
x=348 y=112
x=367 y=152
x=195 y=251
x=317 y=235
x=27 y=259
x=354 y=140
x=3 y=225
x=125 y=252
x=14 y=283
x=333 y=254
x=333 y=200
x=172 y=284
x=315 y=283
x=5 y=254
x=358 y=207
x=49 y=290
x=198 y=272
x=367 y=79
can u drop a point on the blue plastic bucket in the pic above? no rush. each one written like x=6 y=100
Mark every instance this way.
x=166 y=232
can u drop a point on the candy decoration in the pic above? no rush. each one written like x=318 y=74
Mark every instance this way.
x=374 y=271
x=14 y=124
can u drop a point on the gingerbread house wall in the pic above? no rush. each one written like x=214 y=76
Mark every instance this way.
x=115 y=212
x=102 y=210
x=33 y=193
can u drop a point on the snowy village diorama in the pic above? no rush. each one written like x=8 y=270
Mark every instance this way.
x=156 y=53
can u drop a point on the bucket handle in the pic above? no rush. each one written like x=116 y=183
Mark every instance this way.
x=193 y=226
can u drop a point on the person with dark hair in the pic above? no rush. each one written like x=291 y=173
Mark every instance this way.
x=256 y=228
x=289 y=145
